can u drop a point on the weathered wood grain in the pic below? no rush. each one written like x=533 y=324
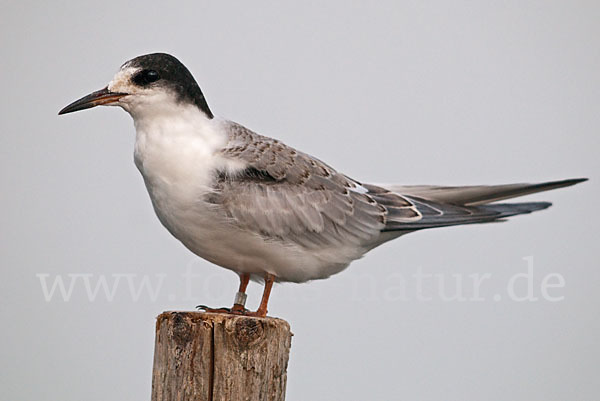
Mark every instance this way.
x=211 y=356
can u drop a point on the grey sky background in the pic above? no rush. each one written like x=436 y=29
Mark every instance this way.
x=410 y=92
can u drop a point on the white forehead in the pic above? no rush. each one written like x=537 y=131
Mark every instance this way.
x=122 y=78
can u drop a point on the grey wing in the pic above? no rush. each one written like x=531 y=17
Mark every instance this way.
x=479 y=194
x=435 y=214
x=431 y=213
x=288 y=195
x=442 y=206
x=284 y=194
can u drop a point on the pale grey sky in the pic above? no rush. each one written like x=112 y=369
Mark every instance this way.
x=438 y=92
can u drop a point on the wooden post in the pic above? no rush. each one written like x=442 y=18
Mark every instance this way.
x=213 y=356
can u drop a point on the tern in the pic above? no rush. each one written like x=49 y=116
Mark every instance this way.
x=260 y=208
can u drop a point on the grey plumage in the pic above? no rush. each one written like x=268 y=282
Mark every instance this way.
x=480 y=194
x=260 y=208
x=287 y=195
x=293 y=197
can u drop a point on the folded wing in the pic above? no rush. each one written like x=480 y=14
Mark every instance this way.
x=283 y=194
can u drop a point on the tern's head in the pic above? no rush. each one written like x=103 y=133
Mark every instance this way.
x=147 y=84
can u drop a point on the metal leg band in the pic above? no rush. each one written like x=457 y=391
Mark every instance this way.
x=240 y=298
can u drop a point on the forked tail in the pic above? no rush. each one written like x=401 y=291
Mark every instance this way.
x=448 y=206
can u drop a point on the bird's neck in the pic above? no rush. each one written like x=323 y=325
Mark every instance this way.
x=173 y=144
x=175 y=123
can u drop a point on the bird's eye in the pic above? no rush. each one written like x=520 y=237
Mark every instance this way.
x=145 y=77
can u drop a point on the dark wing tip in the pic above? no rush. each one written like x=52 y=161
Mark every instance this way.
x=572 y=181
x=535 y=206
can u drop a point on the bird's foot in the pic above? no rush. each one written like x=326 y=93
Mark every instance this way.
x=258 y=313
x=237 y=309
x=213 y=310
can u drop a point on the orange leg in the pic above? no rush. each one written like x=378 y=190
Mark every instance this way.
x=262 y=309
x=238 y=306
x=240 y=298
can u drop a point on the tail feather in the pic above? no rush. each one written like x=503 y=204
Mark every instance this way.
x=449 y=206
x=443 y=215
x=478 y=194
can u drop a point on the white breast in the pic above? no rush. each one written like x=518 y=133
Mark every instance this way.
x=178 y=154
x=177 y=151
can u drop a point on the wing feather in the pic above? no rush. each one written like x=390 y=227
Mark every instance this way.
x=283 y=194
x=288 y=195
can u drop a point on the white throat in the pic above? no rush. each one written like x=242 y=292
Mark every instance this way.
x=176 y=150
